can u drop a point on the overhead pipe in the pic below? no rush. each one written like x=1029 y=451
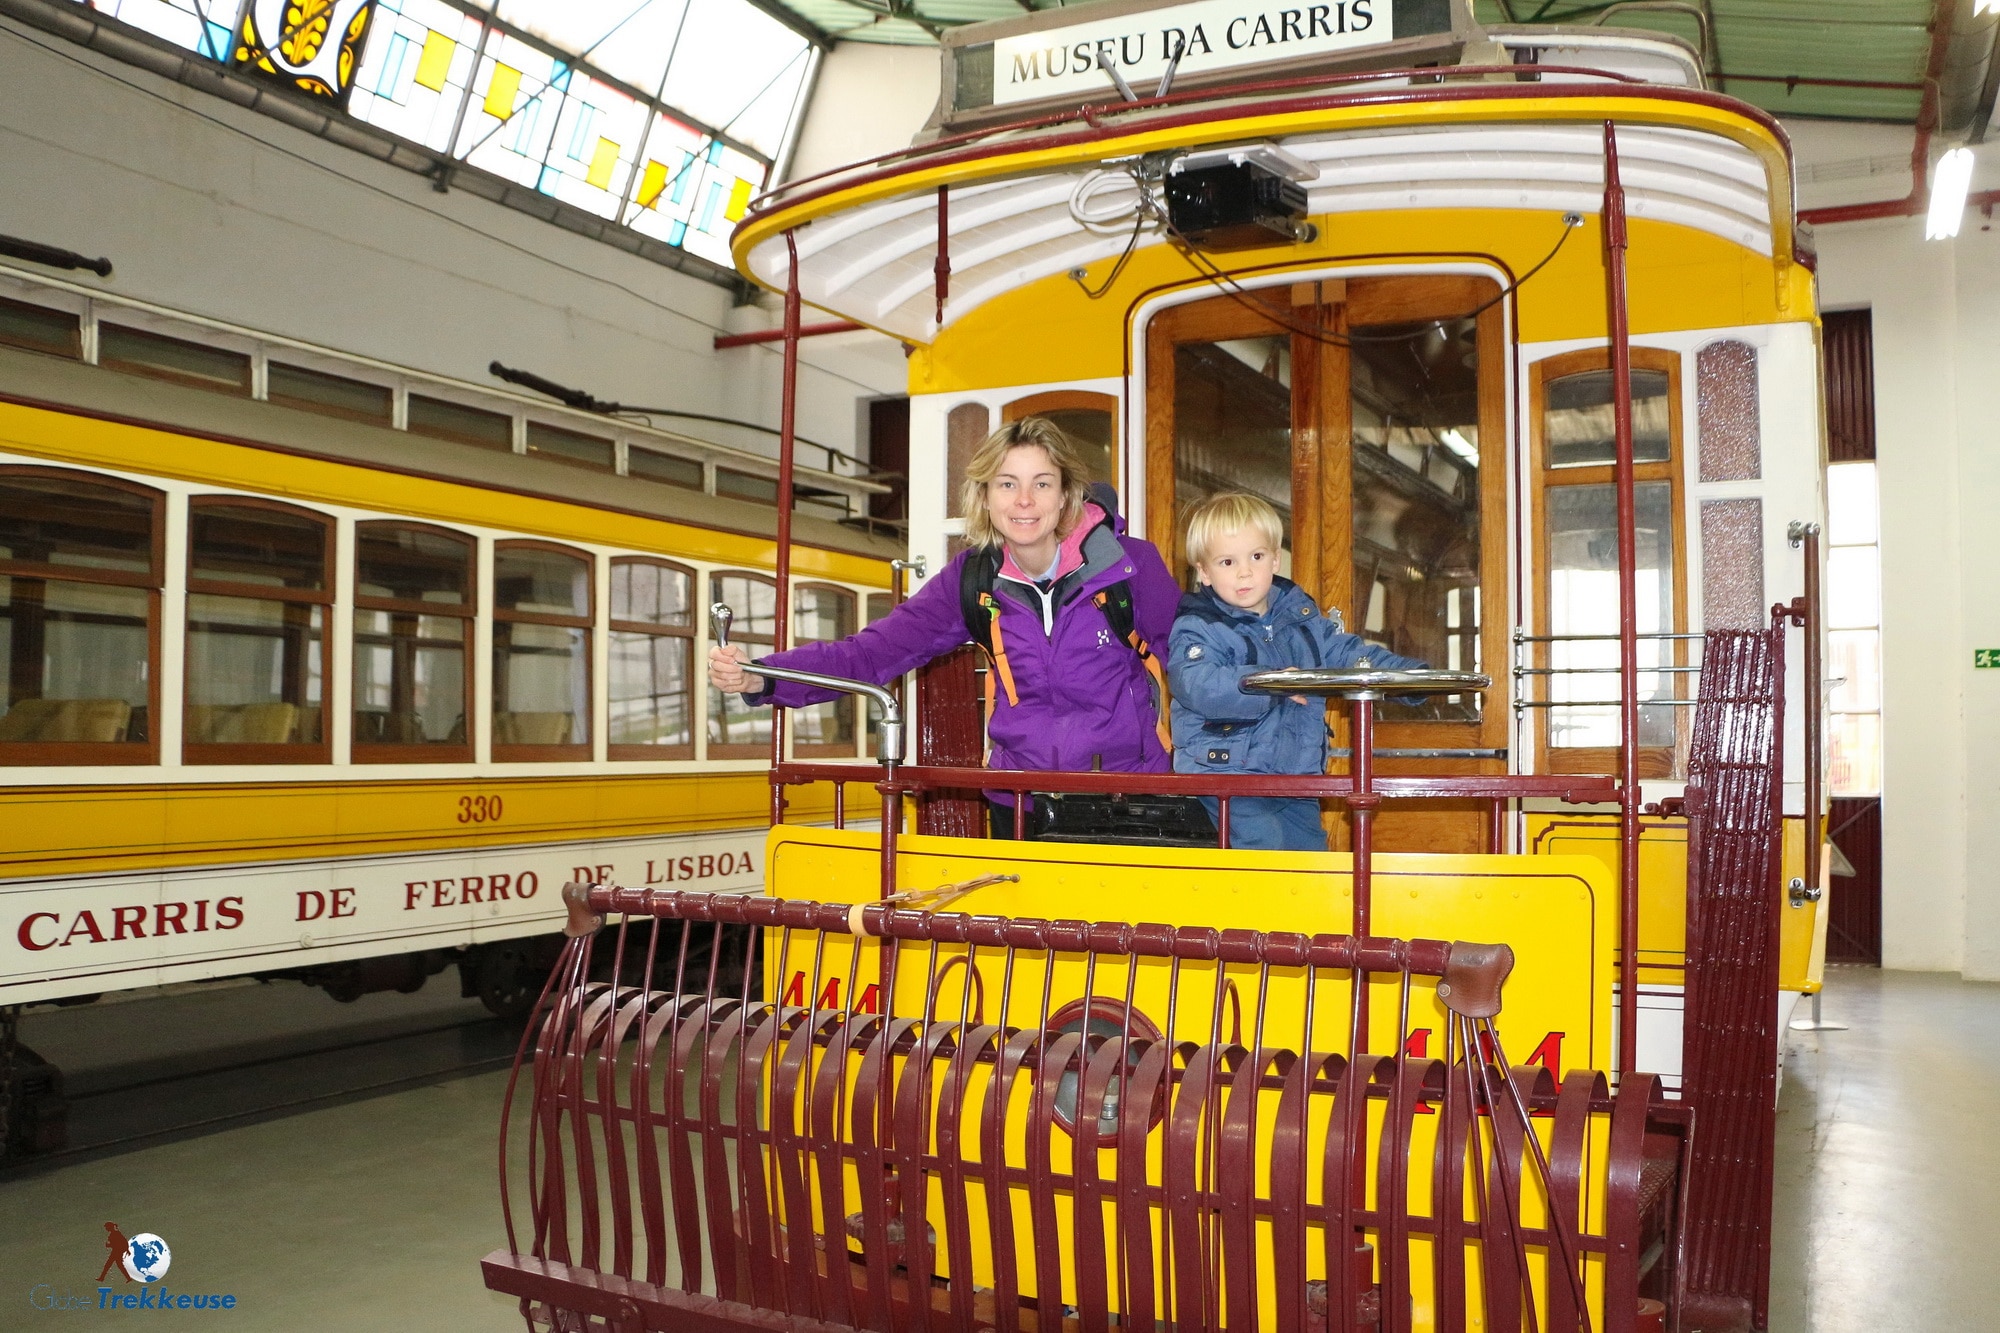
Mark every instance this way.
x=1929 y=119
x=723 y=341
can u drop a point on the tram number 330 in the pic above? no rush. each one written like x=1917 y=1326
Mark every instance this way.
x=478 y=809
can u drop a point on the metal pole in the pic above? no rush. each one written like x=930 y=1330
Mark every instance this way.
x=787 y=413
x=1807 y=535
x=1361 y=810
x=1628 y=612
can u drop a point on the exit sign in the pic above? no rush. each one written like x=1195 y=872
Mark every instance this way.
x=1983 y=658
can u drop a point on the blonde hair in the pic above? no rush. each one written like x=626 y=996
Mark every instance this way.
x=989 y=457
x=1231 y=511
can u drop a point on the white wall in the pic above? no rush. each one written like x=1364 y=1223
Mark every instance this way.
x=1936 y=323
x=208 y=208
x=869 y=99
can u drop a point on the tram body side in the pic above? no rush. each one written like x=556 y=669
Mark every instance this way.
x=1731 y=336
x=178 y=864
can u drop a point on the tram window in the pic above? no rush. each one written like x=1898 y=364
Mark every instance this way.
x=652 y=660
x=80 y=565
x=1578 y=518
x=541 y=652
x=656 y=466
x=567 y=446
x=1088 y=419
x=746 y=486
x=258 y=593
x=465 y=425
x=174 y=359
x=413 y=612
x=1578 y=421
x=736 y=731
x=1233 y=428
x=821 y=613
x=1414 y=399
x=880 y=604
x=40 y=329
x=333 y=395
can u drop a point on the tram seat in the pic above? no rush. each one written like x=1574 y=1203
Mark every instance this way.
x=531 y=729
x=66 y=720
x=243 y=724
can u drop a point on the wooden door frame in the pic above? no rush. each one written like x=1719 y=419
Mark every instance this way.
x=1654 y=761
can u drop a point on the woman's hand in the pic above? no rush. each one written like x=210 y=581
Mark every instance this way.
x=726 y=673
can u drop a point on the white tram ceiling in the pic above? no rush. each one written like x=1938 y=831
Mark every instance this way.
x=876 y=263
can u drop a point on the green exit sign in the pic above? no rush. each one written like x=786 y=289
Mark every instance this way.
x=1983 y=658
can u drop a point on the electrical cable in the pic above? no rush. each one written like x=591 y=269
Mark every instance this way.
x=1146 y=208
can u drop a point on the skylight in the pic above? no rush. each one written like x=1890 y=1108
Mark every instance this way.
x=664 y=116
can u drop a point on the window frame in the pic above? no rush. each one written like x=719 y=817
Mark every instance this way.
x=856 y=724
x=101 y=753
x=168 y=374
x=697 y=679
x=727 y=750
x=236 y=752
x=1072 y=400
x=1656 y=762
x=570 y=750
x=417 y=752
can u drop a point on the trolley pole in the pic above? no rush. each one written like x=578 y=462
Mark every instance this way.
x=787 y=421
x=1628 y=611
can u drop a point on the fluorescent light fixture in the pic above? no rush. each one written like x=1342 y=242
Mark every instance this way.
x=1459 y=445
x=1949 y=182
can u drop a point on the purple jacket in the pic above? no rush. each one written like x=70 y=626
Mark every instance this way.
x=1084 y=696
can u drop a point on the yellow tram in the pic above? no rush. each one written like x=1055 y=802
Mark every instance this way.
x=1516 y=329
x=299 y=689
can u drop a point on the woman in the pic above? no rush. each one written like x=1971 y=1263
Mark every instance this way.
x=1073 y=693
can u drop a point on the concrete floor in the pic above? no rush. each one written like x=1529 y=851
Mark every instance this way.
x=372 y=1213
x=1888 y=1162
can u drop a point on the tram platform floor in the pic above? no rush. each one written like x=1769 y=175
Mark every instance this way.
x=369 y=1209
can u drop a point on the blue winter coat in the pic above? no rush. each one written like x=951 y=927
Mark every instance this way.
x=1220 y=727
x=1083 y=695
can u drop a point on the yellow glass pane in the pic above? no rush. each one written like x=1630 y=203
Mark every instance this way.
x=435 y=63
x=739 y=200
x=500 y=91
x=601 y=163
x=653 y=184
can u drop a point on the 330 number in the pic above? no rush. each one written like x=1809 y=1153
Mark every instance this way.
x=478 y=809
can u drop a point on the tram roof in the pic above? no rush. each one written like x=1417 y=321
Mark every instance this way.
x=867 y=235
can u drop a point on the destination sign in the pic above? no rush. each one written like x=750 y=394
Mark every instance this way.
x=1209 y=35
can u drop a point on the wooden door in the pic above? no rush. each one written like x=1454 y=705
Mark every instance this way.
x=1371 y=413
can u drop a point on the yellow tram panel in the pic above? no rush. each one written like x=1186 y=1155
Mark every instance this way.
x=1663 y=892
x=96 y=829
x=1555 y=909
x=1680 y=278
x=154 y=452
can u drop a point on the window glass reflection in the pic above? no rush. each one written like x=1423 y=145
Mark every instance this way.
x=1583 y=600
x=78 y=657
x=652 y=658
x=409 y=679
x=1578 y=419
x=254 y=671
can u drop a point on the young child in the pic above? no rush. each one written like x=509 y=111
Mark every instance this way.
x=1245 y=619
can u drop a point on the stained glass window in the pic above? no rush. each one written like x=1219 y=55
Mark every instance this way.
x=664 y=116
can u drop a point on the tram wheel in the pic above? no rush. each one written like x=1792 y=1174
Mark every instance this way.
x=507 y=976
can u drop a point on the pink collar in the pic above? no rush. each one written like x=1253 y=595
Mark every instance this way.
x=1069 y=556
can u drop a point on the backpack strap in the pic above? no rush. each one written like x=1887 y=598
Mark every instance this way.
x=1116 y=603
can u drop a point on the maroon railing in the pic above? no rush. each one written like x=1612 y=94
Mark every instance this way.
x=1020 y=1144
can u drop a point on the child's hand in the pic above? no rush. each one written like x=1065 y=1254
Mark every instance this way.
x=1300 y=699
